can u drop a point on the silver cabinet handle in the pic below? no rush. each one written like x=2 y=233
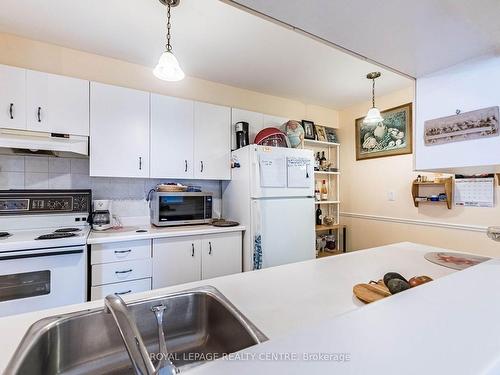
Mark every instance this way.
x=140 y=163
x=201 y=166
x=123 y=251
x=122 y=293
x=185 y=165
x=126 y=271
x=11 y=111
x=209 y=248
x=192 y=249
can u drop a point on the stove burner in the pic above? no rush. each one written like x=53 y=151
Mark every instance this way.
x=67 y=230
x=5 y=234
x=53 y=236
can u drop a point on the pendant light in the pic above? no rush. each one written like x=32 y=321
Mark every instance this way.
x=168 y=68
x=373 y=116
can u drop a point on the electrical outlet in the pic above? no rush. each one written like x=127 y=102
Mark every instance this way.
x=391 y=195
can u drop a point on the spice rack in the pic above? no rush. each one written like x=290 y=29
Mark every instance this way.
x=446 y=183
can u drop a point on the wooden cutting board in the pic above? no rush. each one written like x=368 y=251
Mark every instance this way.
x=371 y=292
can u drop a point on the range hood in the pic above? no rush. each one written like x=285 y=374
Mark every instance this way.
x=40 y=143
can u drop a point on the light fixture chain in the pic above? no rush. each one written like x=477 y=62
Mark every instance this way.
x=168 y=46
x=373 y=93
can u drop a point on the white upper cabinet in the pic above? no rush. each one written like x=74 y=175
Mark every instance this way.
x=12 y=97
x=465 y=87
x=119 y=131
x=255 y=123
x=172 y=133
x=57 y=104
x=212 y=142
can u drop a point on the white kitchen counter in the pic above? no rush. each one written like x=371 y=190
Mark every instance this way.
x=303 y=296
x=129 y=233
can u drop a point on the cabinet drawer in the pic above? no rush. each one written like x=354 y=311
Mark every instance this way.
x=120 y=271
x=128 y=287
x=119 y=251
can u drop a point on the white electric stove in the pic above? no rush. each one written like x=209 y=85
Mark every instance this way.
x=43 y=251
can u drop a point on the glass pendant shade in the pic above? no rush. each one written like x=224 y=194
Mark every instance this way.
x=168 y=68
x=373 y=117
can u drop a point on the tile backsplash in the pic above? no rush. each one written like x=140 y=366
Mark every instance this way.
x=128 y=194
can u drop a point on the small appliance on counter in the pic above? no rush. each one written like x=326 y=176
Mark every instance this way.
x=180 y=208
x=102 y=217
x=241 y=130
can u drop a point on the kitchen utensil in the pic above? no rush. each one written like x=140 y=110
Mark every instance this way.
x=241 y=130
x=225 y=223
x=456 y=261
x=371 y=292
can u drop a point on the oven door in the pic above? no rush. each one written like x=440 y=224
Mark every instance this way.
x=182 y=208
x=39 y=279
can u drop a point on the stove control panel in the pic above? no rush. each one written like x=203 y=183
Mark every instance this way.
x=45 y=202
x=11 y=205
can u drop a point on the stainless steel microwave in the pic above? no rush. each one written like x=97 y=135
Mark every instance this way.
x=180 y=208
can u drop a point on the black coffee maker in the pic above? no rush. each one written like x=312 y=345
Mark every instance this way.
x=241 y=129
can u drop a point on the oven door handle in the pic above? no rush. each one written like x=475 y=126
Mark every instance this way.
x=40 y=253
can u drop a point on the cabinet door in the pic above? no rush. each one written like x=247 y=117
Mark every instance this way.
x=172 y=123
x=176 y=261
x=212 y=141
x=57 y=104
x=12 y=97
x=221 y=254
x=119 y=131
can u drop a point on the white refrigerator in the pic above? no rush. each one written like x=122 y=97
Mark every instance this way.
x=271 y=193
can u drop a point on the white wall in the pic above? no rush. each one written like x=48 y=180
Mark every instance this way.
x=469 y=86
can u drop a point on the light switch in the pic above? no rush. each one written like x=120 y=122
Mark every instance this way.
x=391 y=195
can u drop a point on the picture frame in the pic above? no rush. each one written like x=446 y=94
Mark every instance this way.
x=331 y=135
x=320 y=133
x=308 y=129
x=392 y=137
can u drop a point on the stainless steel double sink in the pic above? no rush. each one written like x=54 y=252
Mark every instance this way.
x=200 y=325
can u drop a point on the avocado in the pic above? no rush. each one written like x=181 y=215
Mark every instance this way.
x=397 y=285
x=392 y=275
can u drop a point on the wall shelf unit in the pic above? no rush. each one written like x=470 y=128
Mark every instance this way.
x=445 y=183
x=331 y=206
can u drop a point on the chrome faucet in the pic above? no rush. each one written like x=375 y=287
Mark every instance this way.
x=137 y=351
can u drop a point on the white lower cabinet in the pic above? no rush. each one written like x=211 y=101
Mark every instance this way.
x=120 y=271
x=120 y=268
x=185 y=259
x=176 y=261
x=124 y=288
x=220 y=255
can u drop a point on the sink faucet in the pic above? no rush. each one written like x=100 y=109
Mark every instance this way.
x=132 y=338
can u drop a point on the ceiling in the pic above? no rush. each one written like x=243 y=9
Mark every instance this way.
x=212 y=40
x=414 y=37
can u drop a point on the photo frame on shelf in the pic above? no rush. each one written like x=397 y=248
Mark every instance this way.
x=320 y=133
x=331 y=135
x=308 y=129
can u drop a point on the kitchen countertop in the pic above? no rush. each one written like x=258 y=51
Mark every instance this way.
x=449 y=326
x=128 y=233
x=309 y=297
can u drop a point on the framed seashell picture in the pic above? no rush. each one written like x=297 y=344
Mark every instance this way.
x=391 y=137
